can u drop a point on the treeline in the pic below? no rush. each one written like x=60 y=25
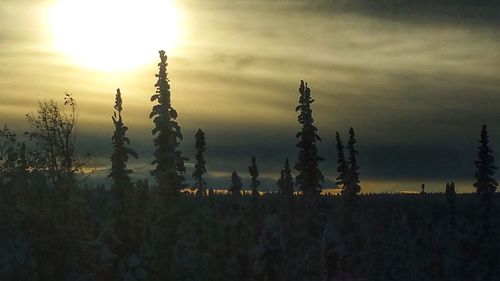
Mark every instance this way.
x=53 y=227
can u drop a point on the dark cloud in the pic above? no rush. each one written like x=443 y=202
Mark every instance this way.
x=422 y=11
x=438 y=157
x=428 y=161
x=409 y=11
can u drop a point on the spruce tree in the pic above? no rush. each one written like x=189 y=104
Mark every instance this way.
x=168 y=172
x=308 y=181
x=485 y=182
x=485 y=235
x=122 y=208
x=119 y=172
x=342 y=168
x=353 y=187
x=349 y=229
x=236 y=184
x=168 y=159
x=285 y=182
x=254 y=174
x=200 y=165
x=310 y=176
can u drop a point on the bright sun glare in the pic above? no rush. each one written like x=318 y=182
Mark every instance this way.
x=114 y=34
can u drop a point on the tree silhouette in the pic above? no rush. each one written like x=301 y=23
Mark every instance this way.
x=74 y=230
x=119 y=172
x=168 y=159
x=236 y=184
x=353 y=187
x=451 y=196
x=200 y=165
x=285 y=182
x=122 y=208
x=310 y=176
x=485 y=182
x=54 y=131
x=486 y=242
x=342 y=167
x=254 y=174
x=349 y=229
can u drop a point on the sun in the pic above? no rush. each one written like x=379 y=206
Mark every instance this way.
x=113 y=34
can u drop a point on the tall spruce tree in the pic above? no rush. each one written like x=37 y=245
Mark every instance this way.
x=342 y=167
x=168 y=159
x=310 y=176
x=486 y=238
x=119 y=157
x=349 y=229
x=485 y=182
x=285 y=182
x=353 y=187
x=254 y=174
x=122 y=209
x=200 y=165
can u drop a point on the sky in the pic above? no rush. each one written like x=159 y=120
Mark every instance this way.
x=415 y=79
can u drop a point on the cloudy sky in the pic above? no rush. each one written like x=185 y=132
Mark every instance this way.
x=416 y=79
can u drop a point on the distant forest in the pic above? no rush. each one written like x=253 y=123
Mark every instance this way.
x=53 y=226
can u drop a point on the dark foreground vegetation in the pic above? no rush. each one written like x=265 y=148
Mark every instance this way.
x=54 y=227
x=87 y=236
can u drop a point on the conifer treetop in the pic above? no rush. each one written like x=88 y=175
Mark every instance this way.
x=309 y=176
x=485 y=181
x=119 y=158
x=285 y=182
x=200 y=165
x=254 y=173
x=353 y=175
x=236 y=184
x=169 y=161
x=342 y=167
x=200 y=140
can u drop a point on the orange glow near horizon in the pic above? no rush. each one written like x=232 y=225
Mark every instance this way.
x=114 y=34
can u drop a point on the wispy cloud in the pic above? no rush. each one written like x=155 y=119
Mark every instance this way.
x=413 y=83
